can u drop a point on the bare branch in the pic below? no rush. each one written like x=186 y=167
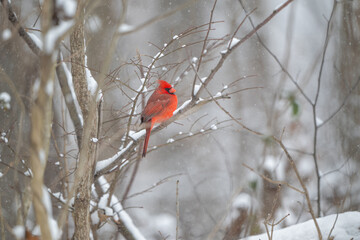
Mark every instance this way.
x=316 y=128
x=225 y=54
x=273 y=181
x=302 y=185
x=14 y=20
x=105 y=166
x=203 y=48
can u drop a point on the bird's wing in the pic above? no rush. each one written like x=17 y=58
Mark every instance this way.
x=155 y=106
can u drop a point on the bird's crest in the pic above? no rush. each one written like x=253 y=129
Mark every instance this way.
x=164 y=84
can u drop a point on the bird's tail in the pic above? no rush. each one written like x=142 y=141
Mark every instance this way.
x=146 y=142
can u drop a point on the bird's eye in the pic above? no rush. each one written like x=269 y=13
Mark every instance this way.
x=170 y=90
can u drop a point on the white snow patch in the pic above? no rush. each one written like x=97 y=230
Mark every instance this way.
x=225 y=87
x=69 y=7
x=5 y=100
x=202 y=130
x=165 y=223
x=141 y=89
x=1 y=174
x=270 y=163
x=59 y=196
x=94 y=140
x=218 y=94
x=230 y=45
x=170 y=140
x=124 y=28
x=158 y=55
x=175 y=37
x=49 y=89
x=4 y=138
x=202 y=80
x=38 y=42
x=136 y=135
x=72 y=97
x=4 y=96
x=243 y=201
x=19 y=231
x=106 y=162
x=194 y=59
x=92 y=84
x=347 y=226
x=53 y=226
x=164 y=69
x=6 y=34
x=213 y=127
x=54 y=35
x=118 y=209
x=319 y=121
x=223 y=51
x=182 y=106
x=42 y=156
x=233 y=42
x=199 y=100
x=196 y=88
x=28 y=173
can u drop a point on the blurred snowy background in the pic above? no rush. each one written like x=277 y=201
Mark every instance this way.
x=310 y=100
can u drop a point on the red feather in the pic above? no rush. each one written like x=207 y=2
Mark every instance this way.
x=160 y=107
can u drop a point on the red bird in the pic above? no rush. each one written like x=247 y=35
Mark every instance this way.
x=159 y=108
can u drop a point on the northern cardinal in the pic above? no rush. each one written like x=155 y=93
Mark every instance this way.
x=160 y=107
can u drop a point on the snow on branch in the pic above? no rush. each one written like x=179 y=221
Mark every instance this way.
x=55 y=34
x=120 y=216
x=108 y=165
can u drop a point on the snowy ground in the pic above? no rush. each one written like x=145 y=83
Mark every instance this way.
x=347 y=227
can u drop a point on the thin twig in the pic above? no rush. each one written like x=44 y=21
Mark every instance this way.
x=292 y=163
x=14 y=20
x=276 y=59
x=225 y=54
x=177 y=210
x=333 y=226
x=273 y=181
x=203 y=47
x=191 y=104
x=316 y=128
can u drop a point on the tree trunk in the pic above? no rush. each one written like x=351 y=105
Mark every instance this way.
x=41 y=119
x=87 y=155
x=349 y=61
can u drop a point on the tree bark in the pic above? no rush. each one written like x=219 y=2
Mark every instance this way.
x=87 y=155
x=349 y=60
x=41 y=119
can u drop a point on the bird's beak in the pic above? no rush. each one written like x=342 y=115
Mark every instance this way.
x=172 y=90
